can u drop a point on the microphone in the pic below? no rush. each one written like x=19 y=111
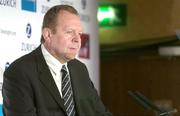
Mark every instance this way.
x=167 y=113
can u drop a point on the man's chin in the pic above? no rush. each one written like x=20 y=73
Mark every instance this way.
x=70 y=57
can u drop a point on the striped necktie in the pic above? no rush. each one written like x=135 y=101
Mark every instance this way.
x=67 y=93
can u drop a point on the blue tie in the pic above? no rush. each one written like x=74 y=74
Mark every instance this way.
x=67 y=93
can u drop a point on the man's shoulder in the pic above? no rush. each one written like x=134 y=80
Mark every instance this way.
x=25 y=60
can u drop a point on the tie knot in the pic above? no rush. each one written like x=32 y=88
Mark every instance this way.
x=63 y=69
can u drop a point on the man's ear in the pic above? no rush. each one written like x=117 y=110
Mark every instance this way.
x=46 y=33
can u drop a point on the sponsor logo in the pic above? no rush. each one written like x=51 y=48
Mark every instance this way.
x=83 y=3
x=28 y=47
x=1 y=112
x=44 y=9
x=66 y=2
x=28 y=5
x=85 y=46
x=28 y=30
x=9 y=3
x=7 y=32
x=7 y=65
x=85 y=17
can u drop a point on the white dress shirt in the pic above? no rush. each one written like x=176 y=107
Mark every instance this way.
x=54 y=66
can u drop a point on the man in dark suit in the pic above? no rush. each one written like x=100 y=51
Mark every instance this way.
x=33 y=83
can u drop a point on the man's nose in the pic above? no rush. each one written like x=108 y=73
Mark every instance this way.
x=77 y=37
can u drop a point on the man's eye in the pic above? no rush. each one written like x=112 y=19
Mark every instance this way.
x=69 y=32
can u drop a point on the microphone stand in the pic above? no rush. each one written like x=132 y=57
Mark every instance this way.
x=148 y=104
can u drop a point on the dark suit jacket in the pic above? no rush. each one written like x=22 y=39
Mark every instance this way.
x=29 y=89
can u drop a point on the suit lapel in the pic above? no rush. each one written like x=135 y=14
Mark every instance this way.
x=47 y=79
x=74 y=75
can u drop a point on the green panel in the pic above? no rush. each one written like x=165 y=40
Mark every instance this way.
x=112 y=15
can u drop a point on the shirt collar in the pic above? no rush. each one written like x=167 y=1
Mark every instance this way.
x=52 y=62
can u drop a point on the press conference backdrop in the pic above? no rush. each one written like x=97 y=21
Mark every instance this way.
x=20 y=31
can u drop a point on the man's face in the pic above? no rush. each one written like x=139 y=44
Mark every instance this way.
x=65 y=43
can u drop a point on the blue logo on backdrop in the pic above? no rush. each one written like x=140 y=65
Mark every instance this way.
x=1 y=113
x=28 y=30
x=29 y=5
x=7 y=65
